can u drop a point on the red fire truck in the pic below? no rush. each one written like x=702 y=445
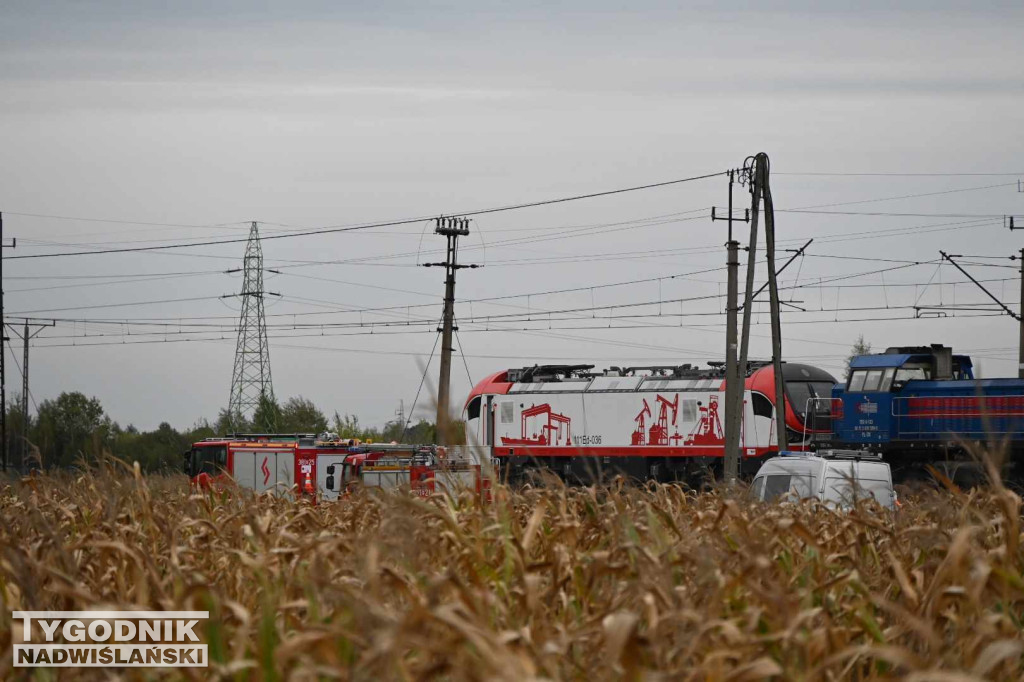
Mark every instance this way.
x=289 y=463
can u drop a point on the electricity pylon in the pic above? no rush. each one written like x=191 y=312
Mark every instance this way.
x=250 y=380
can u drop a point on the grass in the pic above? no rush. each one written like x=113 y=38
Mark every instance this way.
x=545 y=582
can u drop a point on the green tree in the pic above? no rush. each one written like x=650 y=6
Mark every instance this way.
x=71 y=426
x=300 y=415
x=860 y=347
x=267 y=415
x=230 y=423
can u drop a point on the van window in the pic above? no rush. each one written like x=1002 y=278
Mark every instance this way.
x=777 y=485
x=757 y=487
x=846 y=491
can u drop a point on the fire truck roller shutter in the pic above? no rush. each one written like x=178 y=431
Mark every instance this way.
x=245 y=469
x=285 y=466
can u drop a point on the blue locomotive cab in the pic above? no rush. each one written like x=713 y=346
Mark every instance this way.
x=918 y=399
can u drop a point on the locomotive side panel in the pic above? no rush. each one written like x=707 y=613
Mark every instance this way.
x=683 y=421
x=611 y=420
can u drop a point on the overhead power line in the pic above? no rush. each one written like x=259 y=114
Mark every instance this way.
x=121 y=222
x=907 y=196
x=116 y=305
x=907 y=175
x=179 y=321
x=408 y=221
x=600 y=327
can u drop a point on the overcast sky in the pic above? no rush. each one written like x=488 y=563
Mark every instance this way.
x=307 y=115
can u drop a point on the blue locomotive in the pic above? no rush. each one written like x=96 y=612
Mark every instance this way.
x=922 y=403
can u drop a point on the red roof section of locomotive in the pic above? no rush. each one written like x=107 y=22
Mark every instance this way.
x=496 y=383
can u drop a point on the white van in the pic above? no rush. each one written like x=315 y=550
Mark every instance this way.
x=836 y=477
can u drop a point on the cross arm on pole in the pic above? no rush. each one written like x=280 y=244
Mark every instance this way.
x=1002 y=305
x=40 y=326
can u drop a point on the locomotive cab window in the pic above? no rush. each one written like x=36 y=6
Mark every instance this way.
x=912 y=374
x=804 y=395
x=473 y=409
x=762 y=406
x=857 y=381
x=872 y=378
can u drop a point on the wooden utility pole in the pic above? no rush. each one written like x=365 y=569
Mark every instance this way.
x=733 y=377
x=3 y=354
x=756 y=169
x=452 y=229
x=747 y=178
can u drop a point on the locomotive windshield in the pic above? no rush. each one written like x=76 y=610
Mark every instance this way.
x=801 y=392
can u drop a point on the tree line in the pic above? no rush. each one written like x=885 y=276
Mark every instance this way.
x=74 y=429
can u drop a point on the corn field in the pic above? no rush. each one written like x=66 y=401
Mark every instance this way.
x=544 y=582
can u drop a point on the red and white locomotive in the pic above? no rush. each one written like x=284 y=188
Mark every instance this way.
x=648 y=423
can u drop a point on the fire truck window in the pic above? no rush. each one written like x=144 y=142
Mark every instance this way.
x=762 y=406
x=210 y=460
x=857 y=381
x=473 y=411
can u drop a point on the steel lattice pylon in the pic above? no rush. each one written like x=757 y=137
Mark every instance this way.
x=250 y=379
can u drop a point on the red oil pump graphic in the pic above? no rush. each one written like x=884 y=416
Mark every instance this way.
x=640 y=433
x=708 y=430
x=550 y=433
x=659 y=432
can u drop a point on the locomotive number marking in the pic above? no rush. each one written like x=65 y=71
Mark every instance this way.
x=586 y=440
